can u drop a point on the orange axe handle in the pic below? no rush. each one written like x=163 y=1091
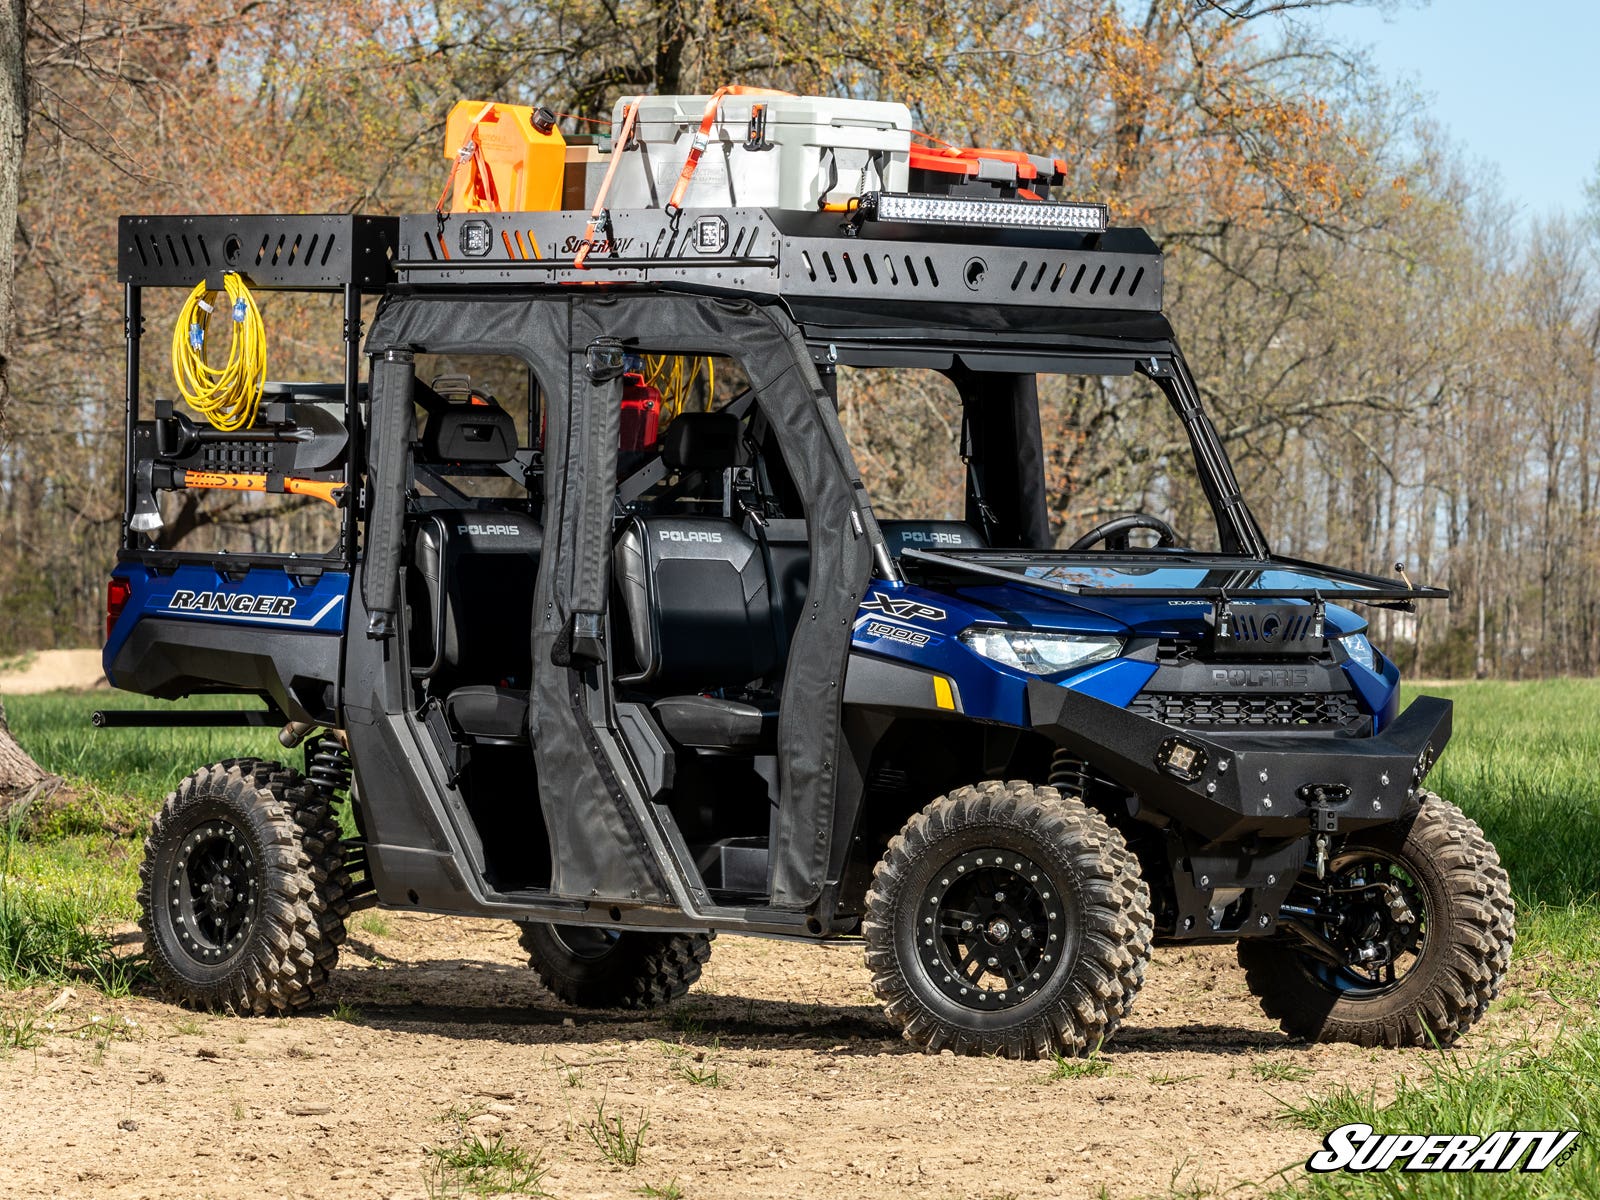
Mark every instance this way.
x=325 y=490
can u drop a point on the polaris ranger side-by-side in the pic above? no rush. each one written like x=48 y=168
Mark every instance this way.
x=674 y=678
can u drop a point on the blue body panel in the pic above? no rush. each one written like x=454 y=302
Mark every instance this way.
x=921 y=627
x=265 y=598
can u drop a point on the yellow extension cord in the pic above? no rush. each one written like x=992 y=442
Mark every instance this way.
x=666 y=372
x=227 y=397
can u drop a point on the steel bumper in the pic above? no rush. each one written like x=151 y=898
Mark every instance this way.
x=1223 y=785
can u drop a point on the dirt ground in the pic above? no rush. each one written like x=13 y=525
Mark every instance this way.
x=52 y=670
x=447 y=1033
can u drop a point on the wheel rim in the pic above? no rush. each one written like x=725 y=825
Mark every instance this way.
x=1374 y=927
x=213 y=892
x=588 y=942
x=993 y=930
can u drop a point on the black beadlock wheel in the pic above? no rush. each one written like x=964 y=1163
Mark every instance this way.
x=1007 y=919
x=229 y=904
x=591 y=967
x=1411 y=942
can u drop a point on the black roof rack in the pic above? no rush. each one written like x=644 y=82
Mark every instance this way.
x=315 y=253
x=792 y=255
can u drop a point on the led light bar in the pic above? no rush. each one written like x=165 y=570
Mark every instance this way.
x=966 y=210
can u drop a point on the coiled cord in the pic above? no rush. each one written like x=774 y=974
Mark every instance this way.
x=228 y=396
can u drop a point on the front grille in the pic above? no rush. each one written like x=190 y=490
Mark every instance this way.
x=1305 y=710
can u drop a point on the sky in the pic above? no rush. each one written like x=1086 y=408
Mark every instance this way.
x=1517 y=84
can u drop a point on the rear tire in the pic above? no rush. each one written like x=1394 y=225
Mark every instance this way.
x=230 y=909
x=591 y=967
x=1460 y=954
x=1007 y=919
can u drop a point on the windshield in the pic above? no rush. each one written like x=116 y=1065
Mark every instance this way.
x=1032 y=461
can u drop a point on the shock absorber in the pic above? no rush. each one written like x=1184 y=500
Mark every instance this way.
x=328 y=768
x=328 y=774
x=1069 y=774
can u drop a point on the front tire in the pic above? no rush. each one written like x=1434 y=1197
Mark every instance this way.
x=591 y=967
x=1007 y=919
x=230 y=907
x=1426 y=980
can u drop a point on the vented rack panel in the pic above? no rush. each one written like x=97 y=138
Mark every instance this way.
x=300 y=253
x=779 y=253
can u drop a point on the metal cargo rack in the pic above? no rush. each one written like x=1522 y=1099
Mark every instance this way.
x=790 y=255
x=340 y=253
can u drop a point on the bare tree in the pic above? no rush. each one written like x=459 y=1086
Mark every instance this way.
x=20 y=776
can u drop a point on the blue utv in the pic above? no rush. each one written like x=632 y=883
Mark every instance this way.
x=632 y=671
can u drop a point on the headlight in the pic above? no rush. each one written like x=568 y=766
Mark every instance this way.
x=1360 y=650
x=1040 y=653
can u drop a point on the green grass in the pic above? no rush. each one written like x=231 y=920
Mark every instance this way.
x=1521 y=1086
x=1090 y=1067
x=475 y=1167
x=1270 y=1070
x=619 y=1143
x=1523 y=763
x=69 y=873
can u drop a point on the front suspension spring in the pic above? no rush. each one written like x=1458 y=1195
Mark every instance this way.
x=328 y=768
x=1069 y=774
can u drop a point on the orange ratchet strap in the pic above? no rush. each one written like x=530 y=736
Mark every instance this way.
x=484 y=196
x=702 y=139
x=599 y=216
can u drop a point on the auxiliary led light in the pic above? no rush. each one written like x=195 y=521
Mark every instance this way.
x=963 y=210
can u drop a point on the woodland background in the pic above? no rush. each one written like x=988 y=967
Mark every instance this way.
x=1402 y=365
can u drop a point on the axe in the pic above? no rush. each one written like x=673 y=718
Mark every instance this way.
x=150 y=476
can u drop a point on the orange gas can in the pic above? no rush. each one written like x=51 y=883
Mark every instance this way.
x=523 y=153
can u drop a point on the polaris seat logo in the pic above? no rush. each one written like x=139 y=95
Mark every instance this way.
x=489 y=530
x=238 y=603
x=1356 y=1147
x=707 y=536
x=931 y=537
x=1255 y=677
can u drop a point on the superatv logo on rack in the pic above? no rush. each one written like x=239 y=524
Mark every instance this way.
x=1255 y=677
x=239 y=603
x=619 y=247
x=710 y=536
x=904 y=610
x=1356 y=1147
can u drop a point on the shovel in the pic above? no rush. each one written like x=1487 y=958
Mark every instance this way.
x=316 y=438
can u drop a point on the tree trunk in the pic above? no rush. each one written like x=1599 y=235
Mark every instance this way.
x=13 y=133
x=21 y=779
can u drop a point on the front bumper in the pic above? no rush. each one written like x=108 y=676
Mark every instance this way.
x=1233 y=784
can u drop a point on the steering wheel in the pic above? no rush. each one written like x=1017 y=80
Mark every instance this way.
x=1114 y=533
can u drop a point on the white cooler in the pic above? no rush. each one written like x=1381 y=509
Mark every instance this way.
x=820 y=149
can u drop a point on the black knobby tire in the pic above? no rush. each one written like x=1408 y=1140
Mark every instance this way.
x=320 y=838
x=223 y=840
x=1061 y=862
x=1470 y=924
x=591 y=967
